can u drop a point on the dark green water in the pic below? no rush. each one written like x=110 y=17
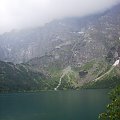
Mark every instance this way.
x=53 y=105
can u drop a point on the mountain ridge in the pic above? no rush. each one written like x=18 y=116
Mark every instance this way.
x=24 y=45
x=89 y=45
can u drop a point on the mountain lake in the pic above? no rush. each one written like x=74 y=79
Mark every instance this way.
x=54 y=105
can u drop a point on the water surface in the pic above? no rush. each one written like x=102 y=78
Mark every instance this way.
x=53 y=105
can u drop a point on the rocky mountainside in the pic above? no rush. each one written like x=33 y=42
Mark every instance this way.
x=87 y=46
x=76 y=40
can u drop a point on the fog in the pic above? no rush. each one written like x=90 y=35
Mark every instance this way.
x=19 y=14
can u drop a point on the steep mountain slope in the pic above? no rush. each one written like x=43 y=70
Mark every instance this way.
x=88 y=46
x=19 y=77
x=110 y=79
x=80 y=39
x=23 y=77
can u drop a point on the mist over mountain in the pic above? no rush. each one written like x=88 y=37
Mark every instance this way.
x=88 y=46
x=20 y=14
x=93 y=35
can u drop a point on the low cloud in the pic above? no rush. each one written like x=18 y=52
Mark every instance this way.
x=19 y=14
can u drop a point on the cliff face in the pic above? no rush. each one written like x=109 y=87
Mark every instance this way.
x=89 y=46
x=76 y=40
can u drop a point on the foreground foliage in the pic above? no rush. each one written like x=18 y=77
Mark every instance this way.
x=113 y=109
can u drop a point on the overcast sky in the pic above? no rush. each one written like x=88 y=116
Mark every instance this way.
x=19 y=14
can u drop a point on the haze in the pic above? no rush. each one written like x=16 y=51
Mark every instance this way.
x=20 y=14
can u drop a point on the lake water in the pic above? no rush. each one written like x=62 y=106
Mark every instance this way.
x=53 y=105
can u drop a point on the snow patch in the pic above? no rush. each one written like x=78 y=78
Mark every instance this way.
x=62 y=24
x=81 y=32
x=63 y=44
x=9 y=49
x=57 y=47
x=57 y=56
x=116 y=63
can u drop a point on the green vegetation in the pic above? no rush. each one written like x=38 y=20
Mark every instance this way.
x=32 y=77
x=69 y=81
x=23 y=78
x=109 y=80
x=19 y=78
x=113 y=109
x=87 y=66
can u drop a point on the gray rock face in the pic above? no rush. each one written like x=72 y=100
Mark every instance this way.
x=71 y=41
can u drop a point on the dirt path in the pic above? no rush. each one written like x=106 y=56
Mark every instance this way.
x=113 y=66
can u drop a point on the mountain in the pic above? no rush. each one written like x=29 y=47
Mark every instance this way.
x=19 y=77
x=110 y=79
x=71 y=52
x=84 y=38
